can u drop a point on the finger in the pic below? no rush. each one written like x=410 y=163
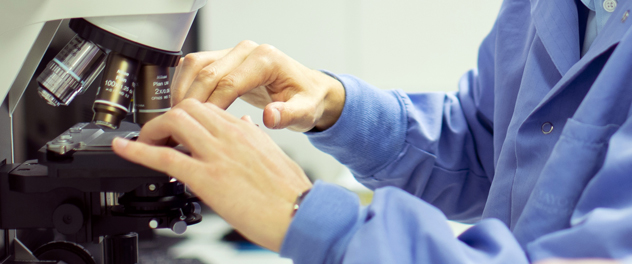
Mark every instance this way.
x=253 y=72
x=189 y=68
x=224 y=123
x=221 y=112
x=213 y=119
x=180 y=126
x=248 y=119
x=298 y=113
x=208 y=77
x=163 y=159
x=176 y=73
x=178 y=67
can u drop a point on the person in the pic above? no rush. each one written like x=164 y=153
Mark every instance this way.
x=533 y=148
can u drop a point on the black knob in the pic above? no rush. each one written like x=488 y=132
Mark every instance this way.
x=68 y=219
x=120 y=249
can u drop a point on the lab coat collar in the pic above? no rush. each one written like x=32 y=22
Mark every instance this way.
x=559 y=38
x=556 y=22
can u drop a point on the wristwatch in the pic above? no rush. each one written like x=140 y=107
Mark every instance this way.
x=299 y=200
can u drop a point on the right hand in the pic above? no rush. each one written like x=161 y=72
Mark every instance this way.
x=290 y=94
x=233 y=166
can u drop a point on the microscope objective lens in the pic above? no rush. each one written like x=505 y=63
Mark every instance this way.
x=71 y=72
x=116 y=91
x=153 y=96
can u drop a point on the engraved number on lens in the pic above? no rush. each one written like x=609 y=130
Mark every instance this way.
x=153 y=96
x=114 y=97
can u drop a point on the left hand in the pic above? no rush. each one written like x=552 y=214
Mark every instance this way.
x=234 y=167
x=291 y=95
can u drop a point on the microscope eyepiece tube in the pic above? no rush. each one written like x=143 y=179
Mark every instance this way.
x=153 y=96
x=116 y=91
x=71 y=72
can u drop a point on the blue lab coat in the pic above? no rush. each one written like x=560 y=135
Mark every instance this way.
x=535 y=148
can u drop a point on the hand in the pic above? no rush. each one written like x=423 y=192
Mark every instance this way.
x=291 y=94
x=234 y=167
x=577 y=261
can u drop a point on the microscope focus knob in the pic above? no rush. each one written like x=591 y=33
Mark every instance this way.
x=197 y=208
x=178 y=226
x=64 y=252
x=68 y=219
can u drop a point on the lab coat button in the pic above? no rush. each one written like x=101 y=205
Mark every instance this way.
x=547 y=128
x=610 y=5
x=625 y=16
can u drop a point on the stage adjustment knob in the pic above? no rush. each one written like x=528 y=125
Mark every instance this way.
x=68 y=219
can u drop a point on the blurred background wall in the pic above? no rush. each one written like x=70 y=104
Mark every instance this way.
x=404 y=44
x=411 y=45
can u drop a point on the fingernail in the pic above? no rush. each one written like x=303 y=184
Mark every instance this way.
x=120 y=143
x=276 y=115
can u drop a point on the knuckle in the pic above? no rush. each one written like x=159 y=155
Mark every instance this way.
x=247 y=44
x=208 y=73
x=227 y=93
x=185 y=104
x=191 y=59
x=267 y=54
x=229 y=82
x=178 y=114
x=267 y=49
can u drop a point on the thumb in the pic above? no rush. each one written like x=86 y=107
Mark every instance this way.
x=297 y=114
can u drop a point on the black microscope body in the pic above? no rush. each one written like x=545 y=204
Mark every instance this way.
x=79 y=187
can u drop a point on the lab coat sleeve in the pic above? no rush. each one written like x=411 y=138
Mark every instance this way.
x=436 y=146
x=331 y=227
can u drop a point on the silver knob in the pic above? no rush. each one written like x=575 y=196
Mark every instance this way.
x=197 y=208
x=153 y=223
x=178 y=227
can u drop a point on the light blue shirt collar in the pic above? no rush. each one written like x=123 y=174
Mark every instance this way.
x=596 y=20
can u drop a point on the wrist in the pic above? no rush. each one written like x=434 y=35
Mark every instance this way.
x=334 y=102
x=323 y=225
x=299 y=200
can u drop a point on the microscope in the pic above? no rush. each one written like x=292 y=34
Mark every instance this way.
x=77 y=186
